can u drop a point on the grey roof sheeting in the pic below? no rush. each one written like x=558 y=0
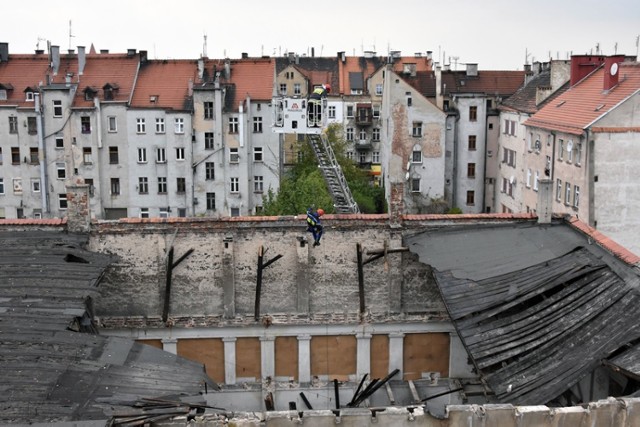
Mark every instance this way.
x=536 y=307
x=54 y=367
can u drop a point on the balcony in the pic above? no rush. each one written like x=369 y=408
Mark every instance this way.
x=362 y=144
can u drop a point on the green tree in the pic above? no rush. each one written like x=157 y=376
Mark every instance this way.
x=304 y=186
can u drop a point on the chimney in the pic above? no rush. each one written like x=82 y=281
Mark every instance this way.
x=439 y=97
x=611 y=72
x=71 y=51
x=583 y=65
x=4 y=52
x=200 y=68
x=313 y=52
x=545 y=201
x=143 y=56
x=104 y=51
x=131 y=52
x=55 y=59
x=39 y=51
x=82 y=60
x=472 y=70
x=245 y=55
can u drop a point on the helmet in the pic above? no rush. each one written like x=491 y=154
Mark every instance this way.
x=320 y=212
x=327 y=87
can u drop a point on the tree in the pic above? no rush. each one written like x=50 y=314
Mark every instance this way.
x=304 y=186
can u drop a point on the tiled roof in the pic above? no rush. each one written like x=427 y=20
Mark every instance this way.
x=496 y=83
x=22 y=71
x=424 y=82
x=167 y=81
x=251 y=77
x=102 y=69
x=574 y=110
x=524 y=99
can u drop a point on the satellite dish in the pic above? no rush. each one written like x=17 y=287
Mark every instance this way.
x=408 y=164
x=512 y=179
x=407 y=176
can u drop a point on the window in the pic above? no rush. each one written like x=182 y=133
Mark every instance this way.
x=211 y=201
x=536 y=181
x=409 y=99
x=32 y=126
x=257 y=125
x=379 y=89
x=17 y=185
x=0 y=155
x=160 y=125
x=142 y=155
x=376 y=111
x=37 y=213
x=89 y=182
x=375 y=157
x=143 y=185
x=473 y=113
x=209 y=170
x=528 y=178
x=349 y=134
x=35 y=185
x=363 y=135
x=179 y=125
x=558 y=190
x=547 y=166
x=85 y=124
x=567 y=194
x=297 y=89
x=560 y=149
x=234 y=157
x=112 y=124
x=283 y=88
x=258 y=184
x=350 y=155
x=578 y=153
x=62 y=200
x=164 y=213
x=570 y=151
x=416 y=156
x=235 y=212
x=86 y=155
x=349 y=110
x=33 y=156
x=181 y=184
x=15 y=155
x=471 y=170
x=471 y=198
x=417 y=129
x=576 y=196
x=57 y=108
x=59 y=142
x=115 y=186
x=141 y=125
x=472 y=143
x=161 y=155
x=332 y=111
x=509 y=157
x=233 y=125
x=144 y=212
x=1 y=185
x=415 y=185
x=113 y=155
x=257 y=154
x=375 y=134
x=28 y=96
x=162 y=185
x=208 y=140
x=235 y=185
x=208 y=110
x=363 y=157
x=13 y=125
x=179 y=153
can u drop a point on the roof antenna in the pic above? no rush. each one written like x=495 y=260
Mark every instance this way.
x=70 y=34
x=204 y=46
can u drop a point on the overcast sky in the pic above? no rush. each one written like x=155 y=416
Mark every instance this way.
x=495 y=34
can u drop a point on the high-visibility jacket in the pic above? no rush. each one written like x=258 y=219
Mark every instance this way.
x=320 y=91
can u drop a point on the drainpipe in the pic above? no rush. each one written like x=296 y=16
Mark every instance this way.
x=44 y=186
x=454 y=171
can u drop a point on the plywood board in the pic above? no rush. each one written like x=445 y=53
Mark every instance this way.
x=425 y=353
x=333 y=355
x=286 y=357
x=248 y=358
x=152 y=343
x=208 y=351
x=379 y=356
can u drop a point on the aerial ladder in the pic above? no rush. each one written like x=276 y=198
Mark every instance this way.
x=302 y=116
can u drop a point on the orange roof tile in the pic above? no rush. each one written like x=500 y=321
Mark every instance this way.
x=20 y=72
x=167 y=81
x=251 y=77
x=118 y=70
x=577 y=108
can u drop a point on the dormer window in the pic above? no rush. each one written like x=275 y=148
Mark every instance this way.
x=109 y=91
x=89 y=93
x=29 y=94
x=4 y=91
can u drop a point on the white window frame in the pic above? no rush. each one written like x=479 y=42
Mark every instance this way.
x=141 y=125
x=1 y=185
x=536 y=180
x=258 y=184
x=375 y=157
x=161 y=155
x=576 y=196
x=258 y=154
x=567 y=194
x=331 y=111
x=35 y=185
x=61 y=171
x=57 y=108
x=349 y=134
x=379 y=89
x=234 y=185
x=142 y=155
x=297 y=89
x=234 y=155
x=416 y=130
x=257 y=124
x=178 y=124
x=143 y=185
x=415 y=185
x=144 y=213
x=62 y=201
x=559 y=190
x=529 y=178
x=160 y=125
x=180 y=153
x=112 y=124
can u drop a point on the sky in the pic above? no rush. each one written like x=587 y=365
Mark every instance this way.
x=495 y=34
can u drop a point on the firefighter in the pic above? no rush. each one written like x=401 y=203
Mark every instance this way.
x=313 y=224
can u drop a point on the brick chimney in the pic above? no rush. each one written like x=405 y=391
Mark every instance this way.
x=78 y=211
x=611 y=72
x=583 y=65
x=544 y=209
